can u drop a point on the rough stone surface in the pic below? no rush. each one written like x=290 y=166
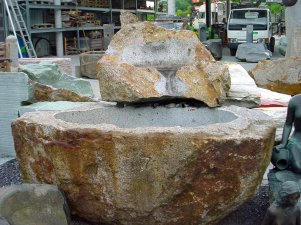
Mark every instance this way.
x=65 y=64
x=252 y=52
x=33 y=204
x=3 y=221
x=118 y=168
x=88 y=63
x=282 y=45
x=250 y=213
x=48 y=83
x=293 y=30
x=281 y=75
x=127 y=18
x=146 y=63
x=243 y=91
x=278 y=115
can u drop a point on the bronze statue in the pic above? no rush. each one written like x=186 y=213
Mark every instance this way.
x=287 y=155
x=284 y=210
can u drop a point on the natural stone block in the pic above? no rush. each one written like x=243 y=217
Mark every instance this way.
x=48 y=83
x=33 y=204
x=147 y=165
x=148 y=63
x=252 y=52
x=243 y=92
x=88 y=63
x=13 y=91
x=127 y=18
x=65 y=64
x=281 y=75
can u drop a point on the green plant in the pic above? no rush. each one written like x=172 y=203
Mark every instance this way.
x=183 y=8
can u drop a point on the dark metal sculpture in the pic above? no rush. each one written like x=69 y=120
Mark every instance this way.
x=284 y=210
x=287 y=155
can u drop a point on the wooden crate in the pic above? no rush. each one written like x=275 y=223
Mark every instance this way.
x=4 y=62
x=70 y=46
x=96 y=44
x=42 y=26
x=2 y=50
x=95 y=3
x=102 y=3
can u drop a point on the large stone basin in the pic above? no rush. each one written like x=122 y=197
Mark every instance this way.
x=147 y=165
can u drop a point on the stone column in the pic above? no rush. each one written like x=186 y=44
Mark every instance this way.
x=59 y=35
x=11 y=52
x=172 y=7
x=293 y=30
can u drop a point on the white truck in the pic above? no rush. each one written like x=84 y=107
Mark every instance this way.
x=238 y=20
x=218 y=13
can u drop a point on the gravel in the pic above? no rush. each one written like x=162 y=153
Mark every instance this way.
x=250 y=213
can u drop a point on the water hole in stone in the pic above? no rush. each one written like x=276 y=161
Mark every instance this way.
x=135 y=117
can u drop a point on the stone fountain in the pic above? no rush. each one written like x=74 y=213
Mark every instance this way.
x=143 y=163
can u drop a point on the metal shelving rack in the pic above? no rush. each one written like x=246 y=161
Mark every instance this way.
x=111 y=13
x=28 y=5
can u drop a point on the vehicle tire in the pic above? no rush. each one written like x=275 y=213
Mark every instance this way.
x=232 y=51
x=271 y=45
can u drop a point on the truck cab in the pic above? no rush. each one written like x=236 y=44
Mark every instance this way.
x=217 y=14
x=238 y=20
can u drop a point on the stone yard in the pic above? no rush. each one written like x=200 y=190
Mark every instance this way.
x=123 y=201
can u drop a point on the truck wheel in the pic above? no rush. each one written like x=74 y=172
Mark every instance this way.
x=232 y=51
x=271 y=45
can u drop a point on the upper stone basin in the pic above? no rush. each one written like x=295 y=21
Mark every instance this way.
x=146 y=63
x=147 y=165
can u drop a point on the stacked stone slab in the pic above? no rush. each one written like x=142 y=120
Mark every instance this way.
x=13 y=91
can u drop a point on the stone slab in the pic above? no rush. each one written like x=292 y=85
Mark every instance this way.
x=64 y=63
x=252 y=52
x=13 y=91
x=243 y=91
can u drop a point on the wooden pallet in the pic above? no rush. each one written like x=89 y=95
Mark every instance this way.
x=95 y=3
x=2 y=50
x=102 y=3
x=42 y=26
x=42 y=2
x=4 y=62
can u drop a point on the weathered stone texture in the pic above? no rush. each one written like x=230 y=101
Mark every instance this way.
x=147 y=175
x=146 y=63
x=65 y=64
x=252 y=52
x=41 y=204
x=47 y=93
x=282 y=75
x=49 y=83
x=127 y=18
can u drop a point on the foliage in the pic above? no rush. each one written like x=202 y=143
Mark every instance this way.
x=276 y=8
x=150 y=17
x=183 y=8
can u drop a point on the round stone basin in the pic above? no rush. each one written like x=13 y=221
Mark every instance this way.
x=143 y=117
x=147 y=165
